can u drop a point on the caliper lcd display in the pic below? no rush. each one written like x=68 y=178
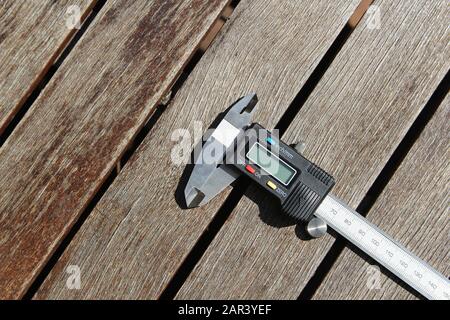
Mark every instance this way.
x=270 y=163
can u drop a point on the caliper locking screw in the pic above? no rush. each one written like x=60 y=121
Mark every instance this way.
x=316 y=227
x=300 y=147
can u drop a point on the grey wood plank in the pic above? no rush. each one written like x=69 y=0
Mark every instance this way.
x=351 y=124
x=32 y=35
x=64 y=148
x=137 y=237
x=413 y=207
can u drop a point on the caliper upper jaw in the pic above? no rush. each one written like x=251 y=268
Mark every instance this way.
x=209 y=175
x=240 y=114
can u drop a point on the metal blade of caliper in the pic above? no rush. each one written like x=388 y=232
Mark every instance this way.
x=383 y=249
x=209 y=177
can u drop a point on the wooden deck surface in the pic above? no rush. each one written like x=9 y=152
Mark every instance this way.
x=32 y=37
x=354 y=96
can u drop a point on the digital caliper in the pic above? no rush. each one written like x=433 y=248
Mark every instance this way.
x=236 y=146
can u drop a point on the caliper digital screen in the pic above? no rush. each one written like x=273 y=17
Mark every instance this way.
x=270 y=163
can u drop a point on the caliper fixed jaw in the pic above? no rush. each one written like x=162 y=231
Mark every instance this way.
x=210 y=176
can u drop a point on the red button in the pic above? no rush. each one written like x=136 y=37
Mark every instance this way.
x=250 y=169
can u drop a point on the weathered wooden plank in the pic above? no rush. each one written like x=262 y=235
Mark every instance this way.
x=414 y=207
x=69 y=141
x=32 y=35
x=137 y=237
x=352 y=122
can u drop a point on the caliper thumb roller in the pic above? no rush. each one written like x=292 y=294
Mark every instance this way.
x=302 y=189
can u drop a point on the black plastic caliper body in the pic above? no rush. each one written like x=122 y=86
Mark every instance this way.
x=299 y=184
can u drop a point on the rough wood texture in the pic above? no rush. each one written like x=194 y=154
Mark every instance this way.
x=69 y=141
x=351 y=124
x=32 y=34
x=138 y=236
x=414 y=208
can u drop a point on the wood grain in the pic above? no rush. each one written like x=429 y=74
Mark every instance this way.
x=352 y=122
x=414 y=208
x=32 y=35
x=65 y=147
x=137 y=237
